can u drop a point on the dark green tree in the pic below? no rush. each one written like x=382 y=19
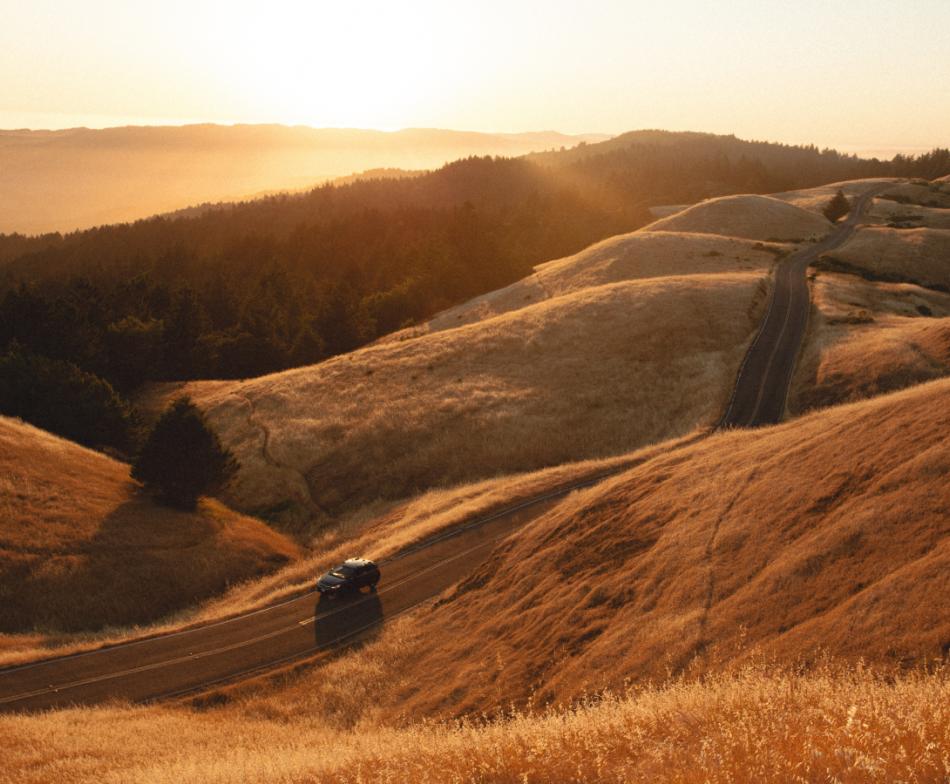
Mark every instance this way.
x=182 y=458
x=838 y=207
x=59 y=397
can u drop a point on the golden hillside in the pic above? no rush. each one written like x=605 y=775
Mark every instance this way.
x=753 y=727
x=816 y=199
x=828 y=533
x=635 y=256
x=908 y=215
x=920 y=192
x=81 y=547
x=749 y=216
x=866 y=338
x=600 y=372
x=914 y=255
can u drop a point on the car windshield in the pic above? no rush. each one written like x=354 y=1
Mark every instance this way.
x=343 y=571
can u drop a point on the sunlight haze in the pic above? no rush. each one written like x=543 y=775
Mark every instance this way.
x=785 y=71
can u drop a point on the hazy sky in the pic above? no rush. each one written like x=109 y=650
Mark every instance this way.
x=874 y=74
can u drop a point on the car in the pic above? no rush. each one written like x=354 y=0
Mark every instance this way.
x=351 y=575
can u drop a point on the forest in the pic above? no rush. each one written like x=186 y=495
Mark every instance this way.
x=238 y=290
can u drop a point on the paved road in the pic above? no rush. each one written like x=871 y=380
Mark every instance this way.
x=761 y=390
x=194 y=660
x=197 y=659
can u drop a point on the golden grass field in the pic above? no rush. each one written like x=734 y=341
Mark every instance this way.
x=597 y=373
x=699 y=552
x=816 y=199
x=749 y=216
x=762 y=605
x=376 y=531
x=866 y=338
x=635 y=256
x=924 y=194
x=758 y=724
x=913 y=255
x=827 y=533
x=81 y=547
x=911 y=215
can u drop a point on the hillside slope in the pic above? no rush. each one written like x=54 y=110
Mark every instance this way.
x=751 y=217
x=914 y=255
x=829 y=534
x=868 y=337
x=635 y=256
x=81 y=547
x=599 y=372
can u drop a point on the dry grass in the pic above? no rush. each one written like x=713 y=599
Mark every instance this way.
x=377 y=531
x=596 y=373
x=868 y=338
x=908 y=215
x=816 y=199
x=932 y=195
x=913 y=255
x=81 y=547
x=635 y=256
x=830 y=532
x=756 y=725
x=752 y=217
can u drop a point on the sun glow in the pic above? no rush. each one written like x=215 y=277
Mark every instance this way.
x=324 y=65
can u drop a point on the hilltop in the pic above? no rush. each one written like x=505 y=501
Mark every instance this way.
x=81 y=547
x=749 y=217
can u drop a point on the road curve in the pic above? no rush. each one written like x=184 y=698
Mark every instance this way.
x=761 y=389
x=197 y=659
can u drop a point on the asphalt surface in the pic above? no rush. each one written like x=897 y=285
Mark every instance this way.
x=196 y=660
x=761 y=391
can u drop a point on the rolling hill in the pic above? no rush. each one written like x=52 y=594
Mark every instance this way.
x=827 y=535
x=882 y=253
x=82 y=548
x=867 y=338
x=778 y=589
x=590 y=374
x=750 y=217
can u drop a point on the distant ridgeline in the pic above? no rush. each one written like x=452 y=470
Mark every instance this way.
x=245 y=289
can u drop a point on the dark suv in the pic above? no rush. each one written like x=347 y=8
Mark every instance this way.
x=350 y=575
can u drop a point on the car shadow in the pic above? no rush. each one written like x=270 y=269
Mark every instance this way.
x=343 y=619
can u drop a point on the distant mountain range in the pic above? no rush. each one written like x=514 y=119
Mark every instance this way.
x=78 y=178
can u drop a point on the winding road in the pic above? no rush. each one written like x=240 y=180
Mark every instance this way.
x=202 y=658
x=761 y=390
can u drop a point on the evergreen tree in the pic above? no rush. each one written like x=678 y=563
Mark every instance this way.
x=837 y=208
x=183 y=458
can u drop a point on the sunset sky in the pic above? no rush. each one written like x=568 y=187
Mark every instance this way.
x=869 y=76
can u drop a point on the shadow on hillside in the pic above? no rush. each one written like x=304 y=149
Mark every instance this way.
x=343 y=620
x=141 y=563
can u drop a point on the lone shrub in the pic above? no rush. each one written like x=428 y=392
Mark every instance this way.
x=183 y=458
x=838 y=207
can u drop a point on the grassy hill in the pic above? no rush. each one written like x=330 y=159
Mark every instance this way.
x=593 y=373
x=81 y=547
x=881 y=253
x=638 y=255
x=751 y=217
x=868 y=337
x=827 y=535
